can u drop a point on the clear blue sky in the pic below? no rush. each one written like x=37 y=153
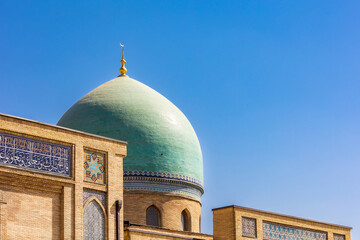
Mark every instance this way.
x=271 y=87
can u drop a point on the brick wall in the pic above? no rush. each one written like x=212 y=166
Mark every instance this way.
x=228 y=224
x=30 y=214
x=48 y=206
x=152 y=233
x=170 y=207
x=224 y=224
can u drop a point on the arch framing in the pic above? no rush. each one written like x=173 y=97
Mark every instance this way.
x=186 y=220
x=159 y=213
x=88 y=201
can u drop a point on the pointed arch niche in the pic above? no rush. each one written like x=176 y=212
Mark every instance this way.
x=185 y=220
x=94 y=220
x=153 y=216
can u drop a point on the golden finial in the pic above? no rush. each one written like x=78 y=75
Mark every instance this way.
x=123 y=69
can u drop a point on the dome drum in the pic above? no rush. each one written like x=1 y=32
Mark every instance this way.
x=164 y=186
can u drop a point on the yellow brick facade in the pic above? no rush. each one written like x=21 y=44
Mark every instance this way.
x=31 y=213
x=153 y=233
x=228 y=223
x=170 y=207
x=36 y=205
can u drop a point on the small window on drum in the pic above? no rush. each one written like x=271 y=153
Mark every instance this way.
x=153 y=216
x=185 y=220
x=200 y=224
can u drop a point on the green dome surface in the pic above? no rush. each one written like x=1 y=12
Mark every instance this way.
x=161 y=141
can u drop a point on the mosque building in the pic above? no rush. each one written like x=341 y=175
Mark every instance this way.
x=122 y=163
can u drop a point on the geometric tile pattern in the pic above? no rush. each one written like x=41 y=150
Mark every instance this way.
x=249 y=227
x=101 y=196
x=35 y=155
x=140 y=184
x=94 y=222
x=279 y=232
x=94 y=167
x=163 y=175
x=338 y=237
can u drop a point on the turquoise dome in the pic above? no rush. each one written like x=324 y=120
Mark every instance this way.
x=162 y=144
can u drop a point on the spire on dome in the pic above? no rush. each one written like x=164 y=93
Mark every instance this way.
x=123 y=69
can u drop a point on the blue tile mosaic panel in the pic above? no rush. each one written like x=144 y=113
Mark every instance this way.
x=94 y=167
x=35 y=155
x=248 y=227
x=338 y=237
x=94 y=222
x=101 y=196
x=273 y=231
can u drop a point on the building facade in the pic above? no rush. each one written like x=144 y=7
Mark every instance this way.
x=235 y=222
x=58 y=183
x=122 y=163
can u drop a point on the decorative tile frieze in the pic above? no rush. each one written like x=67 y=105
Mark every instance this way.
x=101 y=196
x=338 y=237
x=163 y=175
x=248 y=227
x=273 y=231
x=164 y=187
x=94 y=167
x=35 y=155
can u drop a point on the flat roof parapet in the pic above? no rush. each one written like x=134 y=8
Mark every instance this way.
x=280 y=215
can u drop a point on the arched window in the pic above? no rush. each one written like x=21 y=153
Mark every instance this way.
x=153 y=216
x=94 y=221
x=200 y=223
x=185 y=220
